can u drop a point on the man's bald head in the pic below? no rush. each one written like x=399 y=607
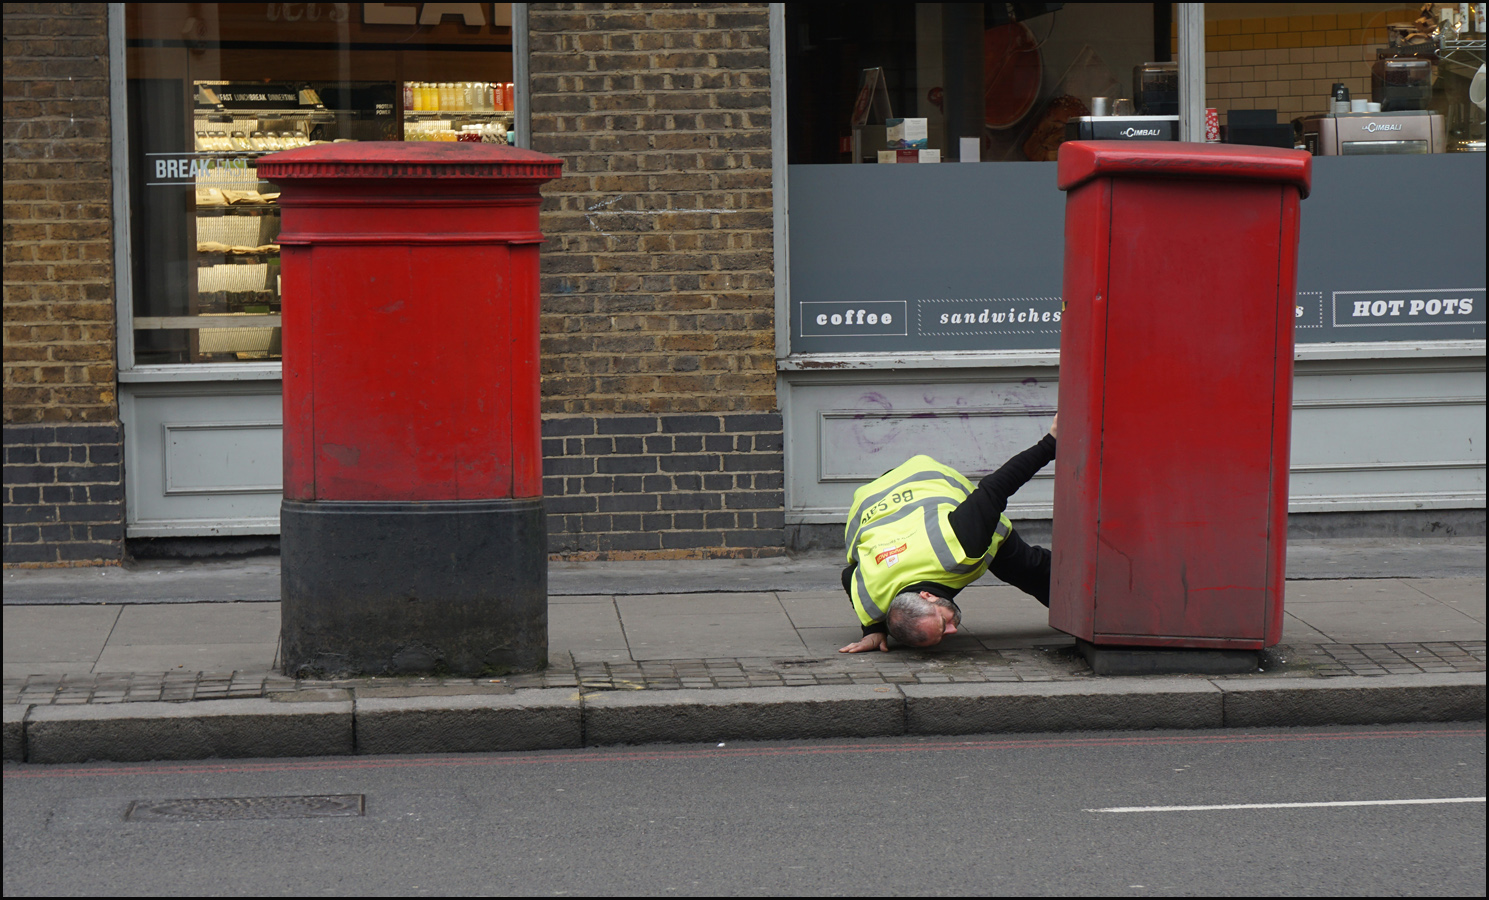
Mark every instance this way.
x=921 y=619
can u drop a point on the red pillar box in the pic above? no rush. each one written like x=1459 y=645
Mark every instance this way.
x=1176 y=357
x=412 y=530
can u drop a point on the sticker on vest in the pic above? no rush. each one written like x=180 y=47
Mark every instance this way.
x=891 y=556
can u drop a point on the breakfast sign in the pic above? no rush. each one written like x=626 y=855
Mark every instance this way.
x=170 y=24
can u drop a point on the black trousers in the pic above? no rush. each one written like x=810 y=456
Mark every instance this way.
x=1024 y=566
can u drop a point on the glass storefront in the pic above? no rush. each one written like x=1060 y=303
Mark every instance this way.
x=202 y=91
x=971 y=82
x=1348 y=79
x=212 y=87
x=923 y=304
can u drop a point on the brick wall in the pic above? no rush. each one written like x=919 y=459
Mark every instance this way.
x=63 y=494
x=660 y=423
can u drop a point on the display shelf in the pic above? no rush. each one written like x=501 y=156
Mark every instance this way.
x=209 y=320
x=452 y=113
x=262 y=209
x=206 y=258
x=1469 y=54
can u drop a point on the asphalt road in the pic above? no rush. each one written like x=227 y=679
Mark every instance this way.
x=1022 y=814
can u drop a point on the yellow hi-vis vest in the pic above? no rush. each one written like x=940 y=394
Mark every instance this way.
x=899 y=535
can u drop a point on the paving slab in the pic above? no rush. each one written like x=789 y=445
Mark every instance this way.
x=257 y=657
x=559 y=599
x=1353 y=700
x=707 y=626
x=826 y=641
x=817 y=609
x=764 y=714
x=587 y=655
x=196 y=623
x=585 y=626
x=546 y=719
x=1354 y=589
x=1062 y=706
x=1295 y=630
x=1008 y=619
x=709 y=604
x=1385 y=557
x=1388 y=618
x=57 y=634
x=782 y=573
x=1463 y=594
x=159 y=581
x=59 y=667
x=138 y=732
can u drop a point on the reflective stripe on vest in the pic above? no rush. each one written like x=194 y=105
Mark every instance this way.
x=855 y=522
x=940 y=564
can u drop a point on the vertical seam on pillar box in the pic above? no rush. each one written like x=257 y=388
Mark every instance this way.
x=1104 y=286
x=1266 y=605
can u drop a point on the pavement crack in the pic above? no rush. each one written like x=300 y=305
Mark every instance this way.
x=112 y=626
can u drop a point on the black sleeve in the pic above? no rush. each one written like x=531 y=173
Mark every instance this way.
x=975 y=519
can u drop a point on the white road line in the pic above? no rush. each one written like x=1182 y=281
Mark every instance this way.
x=1127 y=809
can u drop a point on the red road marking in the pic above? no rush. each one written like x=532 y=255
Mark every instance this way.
x=349 y=763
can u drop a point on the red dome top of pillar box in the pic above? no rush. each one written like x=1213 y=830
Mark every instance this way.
x=1081 y=161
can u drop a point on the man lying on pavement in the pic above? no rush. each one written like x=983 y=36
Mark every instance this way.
x=920 y=533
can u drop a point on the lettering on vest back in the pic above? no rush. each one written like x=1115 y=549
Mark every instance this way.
x=883 y=505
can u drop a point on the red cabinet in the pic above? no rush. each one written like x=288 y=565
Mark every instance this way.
x=412 y=534
x=411 y=344
x=1176 y=353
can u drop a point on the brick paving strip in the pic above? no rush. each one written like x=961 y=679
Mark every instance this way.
x=1055 y=663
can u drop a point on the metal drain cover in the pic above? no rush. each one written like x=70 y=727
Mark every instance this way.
x=221 y=809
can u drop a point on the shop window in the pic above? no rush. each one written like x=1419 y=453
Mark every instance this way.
x=213 y=87
x=972 y=82
x=1348 y=78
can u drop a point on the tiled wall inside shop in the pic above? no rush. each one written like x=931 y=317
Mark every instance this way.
x=1291 y=63
x=658 y=325
x=63 y=496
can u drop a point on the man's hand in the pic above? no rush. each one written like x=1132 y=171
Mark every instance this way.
x=870 y=641
x=1055 y=427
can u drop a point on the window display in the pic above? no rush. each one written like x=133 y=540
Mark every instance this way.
x=214 y=87
x=1362 y=79
x=977 y=82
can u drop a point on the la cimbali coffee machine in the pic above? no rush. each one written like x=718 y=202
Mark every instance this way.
x=1151 y=115
x=1409 y=111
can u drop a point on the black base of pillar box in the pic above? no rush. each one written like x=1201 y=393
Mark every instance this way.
x=1106 y=660
x=400 y=588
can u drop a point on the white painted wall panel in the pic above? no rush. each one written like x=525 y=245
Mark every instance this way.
x=1380 y=434
x=202 y=459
